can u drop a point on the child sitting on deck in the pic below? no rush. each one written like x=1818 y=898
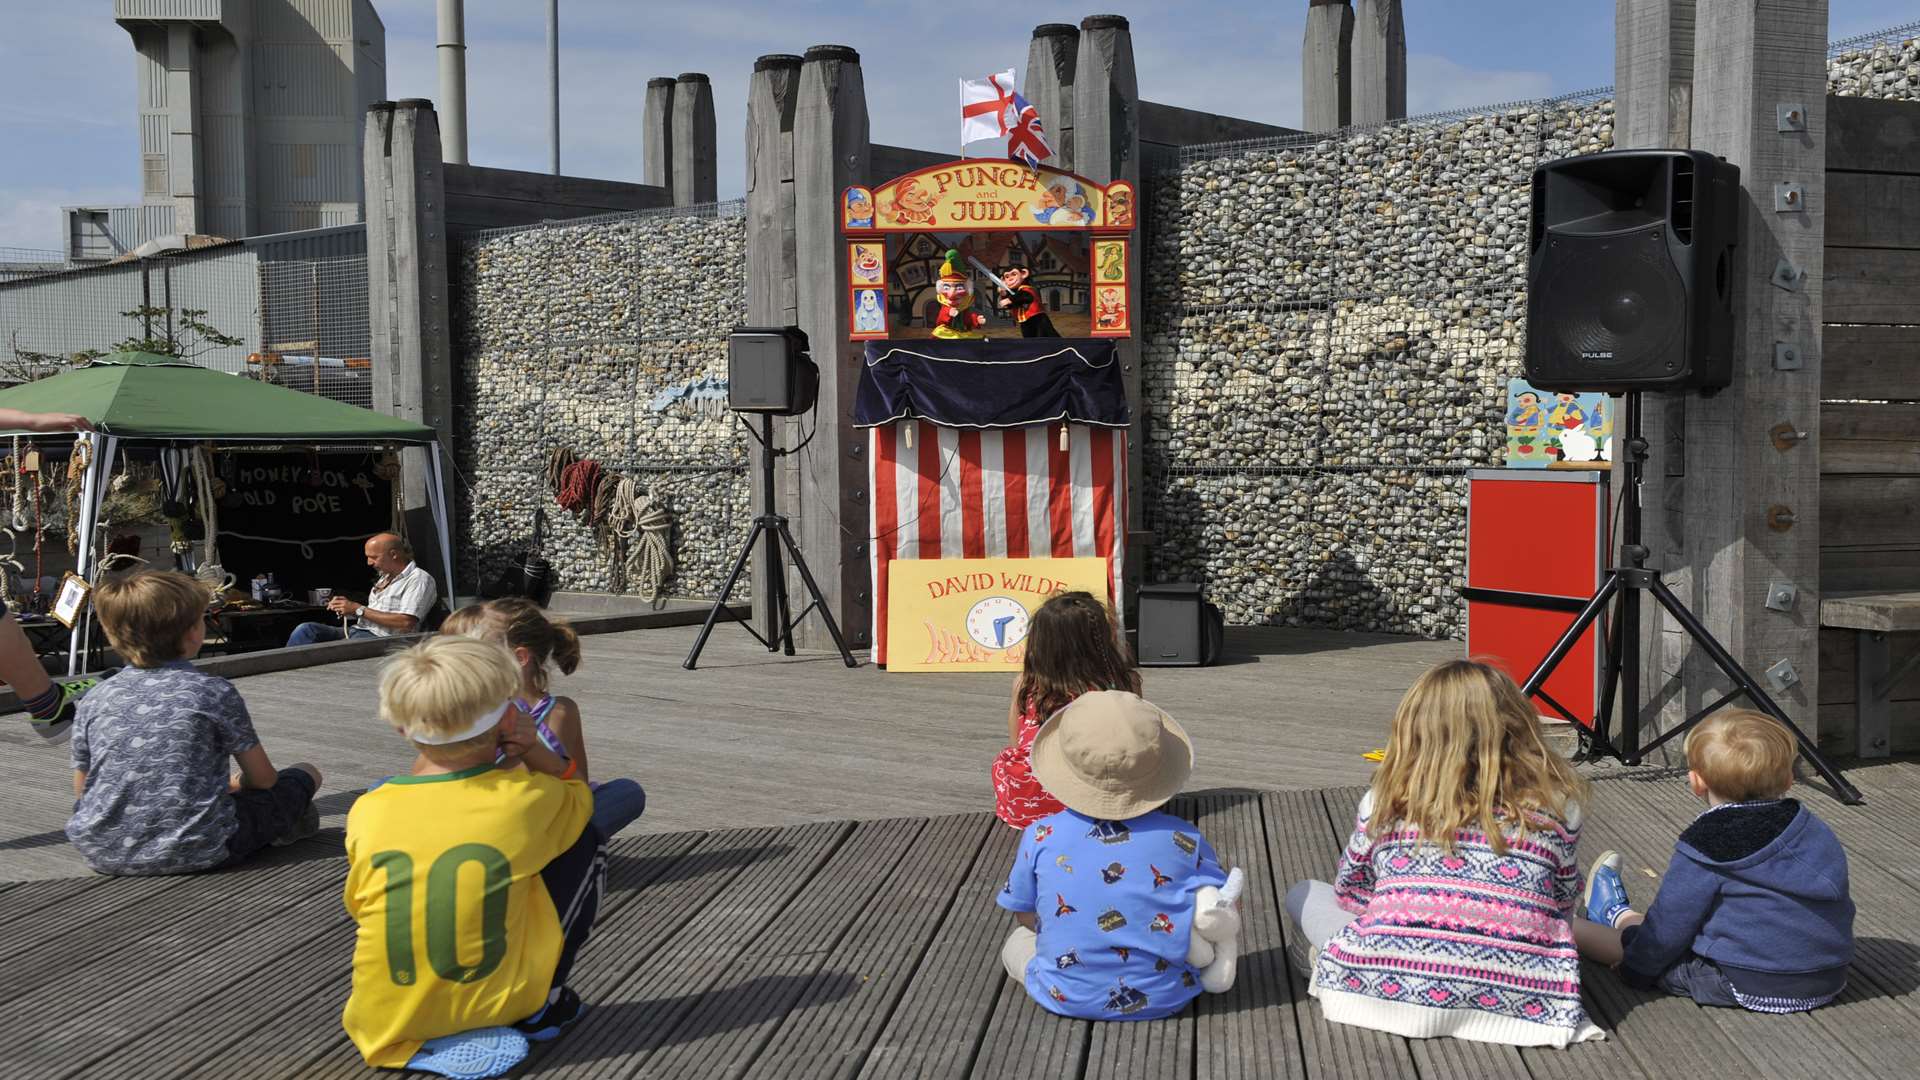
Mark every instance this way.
x=1449 y=912
x=1754 y=911
x=1073 y=646
x=474 y=885
x=151 y=747
x=1119 y=905
x=538 y=641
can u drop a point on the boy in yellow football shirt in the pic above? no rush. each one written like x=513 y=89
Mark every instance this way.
x=474 y=884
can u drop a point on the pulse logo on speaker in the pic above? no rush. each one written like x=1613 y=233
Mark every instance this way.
x=1608 y=355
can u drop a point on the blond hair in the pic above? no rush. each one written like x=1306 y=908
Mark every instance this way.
x=1742 y=754
x=1466 y=752
x=147 y=614
x=441 y=684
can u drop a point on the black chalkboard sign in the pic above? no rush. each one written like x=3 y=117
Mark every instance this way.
x=303 y=517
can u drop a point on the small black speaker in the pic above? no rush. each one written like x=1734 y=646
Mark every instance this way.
x=769 y=371
x=1178 y=628
x=1629 y=277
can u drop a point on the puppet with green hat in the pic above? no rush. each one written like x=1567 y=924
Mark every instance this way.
x=957 y=319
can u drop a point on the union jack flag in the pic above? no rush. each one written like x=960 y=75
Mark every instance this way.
x=1025 y=138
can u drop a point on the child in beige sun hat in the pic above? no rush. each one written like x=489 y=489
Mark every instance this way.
x=1124 y=911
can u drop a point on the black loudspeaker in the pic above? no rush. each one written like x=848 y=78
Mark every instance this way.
x=1629 y=278
x=769 y=371
x=1178 y=628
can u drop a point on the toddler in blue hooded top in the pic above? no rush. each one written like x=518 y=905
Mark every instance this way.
x=1754 y=911
x=1124 y=911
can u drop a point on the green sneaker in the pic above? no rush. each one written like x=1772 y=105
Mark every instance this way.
x=59 y=726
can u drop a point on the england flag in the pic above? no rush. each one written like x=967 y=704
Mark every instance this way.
x=986 y=107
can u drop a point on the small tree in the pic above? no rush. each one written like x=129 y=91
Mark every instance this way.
x=187 y=335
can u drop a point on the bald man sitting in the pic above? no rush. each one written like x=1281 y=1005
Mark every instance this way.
x=401 y=598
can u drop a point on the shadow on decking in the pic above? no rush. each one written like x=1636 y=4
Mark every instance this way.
x=657 y=870
x=708 y=1013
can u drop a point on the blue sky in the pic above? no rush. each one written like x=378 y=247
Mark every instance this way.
x=67 y=76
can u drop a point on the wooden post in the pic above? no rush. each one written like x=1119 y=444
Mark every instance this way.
x=831 y=150
x=657 y=135
x=1106 y=107
x=1326 y=53
x=1050 y=63
x=771 y=273
x=1653 y=93
x=1379 y=79
x=1752 y=510
x=694 y=147
x=407 y=290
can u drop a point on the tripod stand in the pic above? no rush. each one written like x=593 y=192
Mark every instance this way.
x=772 y=526
x=1620 y=671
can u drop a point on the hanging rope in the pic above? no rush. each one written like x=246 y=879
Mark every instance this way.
x=76 y=472
x=639 y=524
x=19 y=488
x=578 y=482
x=558 y=459
x=209 y=573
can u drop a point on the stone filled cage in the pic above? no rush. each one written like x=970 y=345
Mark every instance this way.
x=605 y=336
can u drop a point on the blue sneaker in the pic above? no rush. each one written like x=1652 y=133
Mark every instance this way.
x=1606 y=896
x=471 y=1055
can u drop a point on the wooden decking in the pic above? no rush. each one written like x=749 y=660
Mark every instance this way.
x=869 y=949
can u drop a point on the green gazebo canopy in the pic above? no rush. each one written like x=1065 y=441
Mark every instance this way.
x=135 y=395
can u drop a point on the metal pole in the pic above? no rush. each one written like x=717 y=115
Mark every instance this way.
x=452 y=49
x=553 y=84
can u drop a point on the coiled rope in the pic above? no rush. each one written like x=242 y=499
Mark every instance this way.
x=639 y=523
x=578 y=482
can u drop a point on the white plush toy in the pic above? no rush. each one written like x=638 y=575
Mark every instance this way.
x=1214 y=947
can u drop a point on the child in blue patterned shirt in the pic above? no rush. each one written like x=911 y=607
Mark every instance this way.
x=1107 y=892
x=151 y=747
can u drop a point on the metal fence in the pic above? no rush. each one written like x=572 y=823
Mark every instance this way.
x=299 y=323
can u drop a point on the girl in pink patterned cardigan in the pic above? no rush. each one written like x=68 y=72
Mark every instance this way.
x=1449 y=913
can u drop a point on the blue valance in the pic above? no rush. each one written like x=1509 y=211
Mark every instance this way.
x=992 y=384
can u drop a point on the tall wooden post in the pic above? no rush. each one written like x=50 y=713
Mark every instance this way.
x=1326 y=53
x=1049 y=86
x=1379 y=78
x=1106 y=107
x=772 y=299
x=656 y=129
x=1653 y=97
x=830 y=150
x=695 y=149
x=1752 y=511
x=407 y=289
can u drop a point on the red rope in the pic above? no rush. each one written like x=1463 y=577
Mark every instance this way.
x=577 y=484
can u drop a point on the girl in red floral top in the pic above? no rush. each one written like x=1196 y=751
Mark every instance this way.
x=1073 y=645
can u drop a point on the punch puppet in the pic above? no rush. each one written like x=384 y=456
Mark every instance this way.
x=957 y=319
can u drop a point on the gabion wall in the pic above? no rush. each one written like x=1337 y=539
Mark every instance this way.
x=606 y=338
x=1332 y=322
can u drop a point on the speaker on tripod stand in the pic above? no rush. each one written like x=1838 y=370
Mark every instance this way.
x=1629 y=284
x=770 y=373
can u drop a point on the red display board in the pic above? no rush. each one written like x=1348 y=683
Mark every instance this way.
x=1536 y=547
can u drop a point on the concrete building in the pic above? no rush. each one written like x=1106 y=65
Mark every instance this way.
x=250 y=113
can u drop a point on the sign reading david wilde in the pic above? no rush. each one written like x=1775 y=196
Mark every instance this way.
x=302 y=517
x=971 y=614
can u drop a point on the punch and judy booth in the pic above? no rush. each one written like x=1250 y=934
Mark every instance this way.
x=997 y=432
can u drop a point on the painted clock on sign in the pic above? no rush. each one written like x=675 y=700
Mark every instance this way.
x=998 y=622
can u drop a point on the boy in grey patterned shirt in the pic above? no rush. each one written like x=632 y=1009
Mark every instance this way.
x=151 y=746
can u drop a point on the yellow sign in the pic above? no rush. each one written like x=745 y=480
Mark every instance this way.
x=987 y=195
x=971 y=614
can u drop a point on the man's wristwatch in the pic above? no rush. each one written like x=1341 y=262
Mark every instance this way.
x=360 y=612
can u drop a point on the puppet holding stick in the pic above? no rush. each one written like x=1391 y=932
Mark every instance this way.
x=1022 y=301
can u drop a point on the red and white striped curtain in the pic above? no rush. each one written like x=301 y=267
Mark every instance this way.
x=967 y=493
